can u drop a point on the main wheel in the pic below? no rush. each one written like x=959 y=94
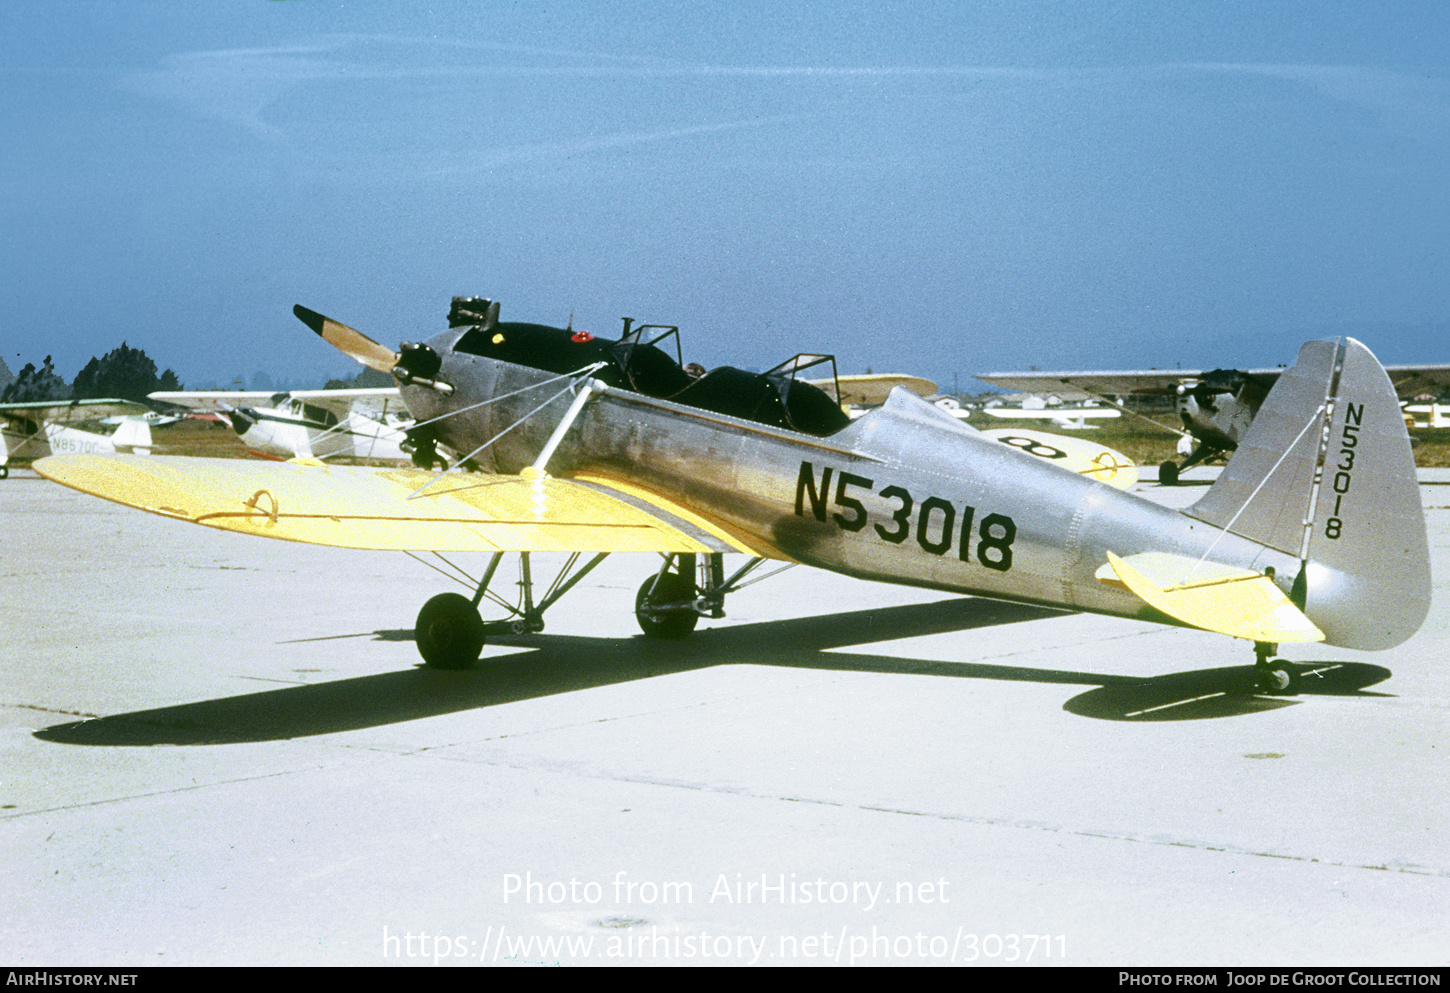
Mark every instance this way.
x=449 y=632
x=4 y=472
x=665 y=624
x=1168 y=474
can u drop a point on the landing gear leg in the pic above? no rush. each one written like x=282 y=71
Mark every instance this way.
x=671 y=602
x=450 y=632
x=1271 y=675
x=1169 y=471
x=665 y=604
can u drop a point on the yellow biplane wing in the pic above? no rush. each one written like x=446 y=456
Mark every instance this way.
x=1213 y=597
x=873 y=388
x=374 y=508
x=1079 y=455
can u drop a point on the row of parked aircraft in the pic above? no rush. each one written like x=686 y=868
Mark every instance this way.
x=363 y=423
x=35 y=429
x=1215 y=407
x=555 y=440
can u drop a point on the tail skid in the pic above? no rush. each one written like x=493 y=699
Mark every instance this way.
x=1325 y=473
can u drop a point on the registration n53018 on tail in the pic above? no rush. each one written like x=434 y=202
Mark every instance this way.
x=557 y=440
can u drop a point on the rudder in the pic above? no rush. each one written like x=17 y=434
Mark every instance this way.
x=1329 y=446
x=133 y=433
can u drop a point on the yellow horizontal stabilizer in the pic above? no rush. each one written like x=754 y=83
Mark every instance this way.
x=368 y=507
x=1219 y=598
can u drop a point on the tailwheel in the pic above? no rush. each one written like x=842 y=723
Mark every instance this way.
x=1271 y=676
x=1276 y=680
x=449 y=632
x=666 y=588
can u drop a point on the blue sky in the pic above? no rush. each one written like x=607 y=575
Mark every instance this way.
x=935 y=188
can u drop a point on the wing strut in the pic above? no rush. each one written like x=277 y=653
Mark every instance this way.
x=5 y=449
x=578 y=405
x=1312 y=422
x=547 y=452
x=456 y=642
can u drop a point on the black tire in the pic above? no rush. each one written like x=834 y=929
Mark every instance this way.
x=670 y=625
x=449 y=632
x=4 y=472
x=1168 y=474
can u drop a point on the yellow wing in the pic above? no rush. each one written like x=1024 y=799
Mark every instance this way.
x=366 y=507
x=1214 y=597
x=873 y=388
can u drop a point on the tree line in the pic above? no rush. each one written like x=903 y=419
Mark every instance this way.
x=124 y=373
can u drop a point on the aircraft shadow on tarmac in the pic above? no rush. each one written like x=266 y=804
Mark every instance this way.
x=564 y=663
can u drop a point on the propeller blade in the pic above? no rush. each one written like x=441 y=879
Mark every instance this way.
x=348 y=340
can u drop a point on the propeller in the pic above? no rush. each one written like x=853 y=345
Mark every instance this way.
x=348 y=340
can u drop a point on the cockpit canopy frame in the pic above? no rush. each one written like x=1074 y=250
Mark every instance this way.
x=637 y=362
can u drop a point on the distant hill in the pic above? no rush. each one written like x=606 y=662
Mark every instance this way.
x=368 y=378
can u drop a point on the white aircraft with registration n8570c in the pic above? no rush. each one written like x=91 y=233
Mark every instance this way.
x=37 y=428
x=564 y=442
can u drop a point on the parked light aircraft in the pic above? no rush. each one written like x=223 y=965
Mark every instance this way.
x=38 y=428
x=872 y=389
x=1437 y=415
x=565 y=442
x=1074 y=417
x=1216 y=408
x=860 y=394
x=365 y=423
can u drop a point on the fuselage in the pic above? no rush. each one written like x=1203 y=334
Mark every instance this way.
x=904 y=494
x=308 y=431
x=33 y=441
x=1218 y=410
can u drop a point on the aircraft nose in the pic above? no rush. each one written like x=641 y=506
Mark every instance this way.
x=243 y=421
x=419 y=360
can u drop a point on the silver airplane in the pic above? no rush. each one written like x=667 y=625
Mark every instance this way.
x=1215 y=407
x=561 y=441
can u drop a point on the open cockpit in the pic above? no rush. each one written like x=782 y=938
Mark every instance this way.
x=641 y=361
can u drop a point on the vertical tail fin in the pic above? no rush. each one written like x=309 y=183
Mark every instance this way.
x=1325 y=473
x=133 y=433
